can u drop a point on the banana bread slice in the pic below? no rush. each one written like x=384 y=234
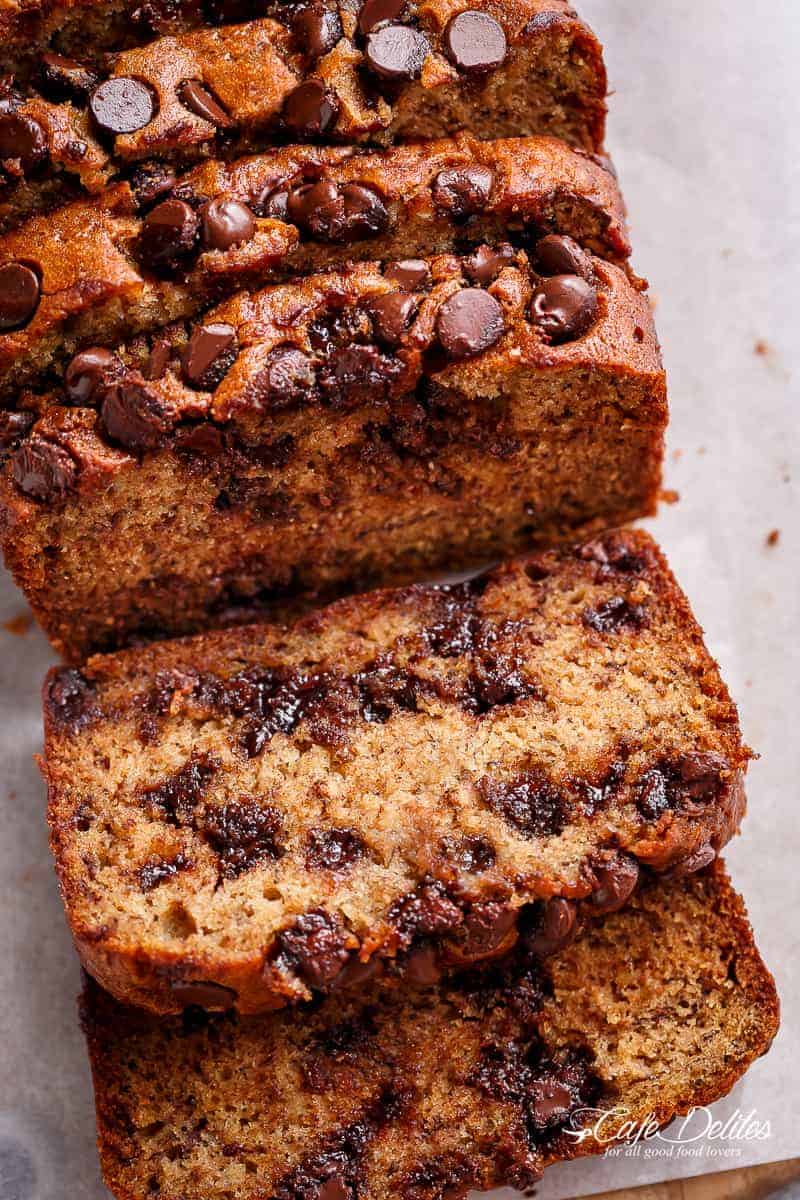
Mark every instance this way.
x=398 y=783
x=369 y=427
x=478 y=1082
x=156 y=249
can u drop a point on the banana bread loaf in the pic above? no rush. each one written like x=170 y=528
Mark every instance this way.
x=398 y=783
x=372 y=426
x=478 y=1082
x=143 y=254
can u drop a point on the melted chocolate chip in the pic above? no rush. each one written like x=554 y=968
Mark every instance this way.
x=158 y=870
x=446 y=1177
x=64 y=78
x=311 y=109
x=564 y=307
x=317 y=29
x=485 y=264
x=70 y=700
x=469 y=323
x=176 y=798
x=410 y=274
x=134 y=415
x=287 y=379
x=391 y=316
x=681 y=784
x=558 y=254
x=474 y=41
x=150 y=181
x=550 y=927
x=471 y=853
x=421 y=967
x=89 y=372
x=13 y=427
x=244 y=834
x=158 y=360
x=202 y=993
x=333 y=849
x=378 y=12
x=614 y=556
x=463 y=191
x=396 y=52
x=43 y=470
x=209 y=355
x=616 y=876
x=22 y=138
x=358 y=375
x=203 y=103
x=616 y=614
x=334 y=212
x=332 y=1172
x=20 y=291
x=122 y=105
x=530 y=802
x=486 y=927
x=426 y=912
x=226 y=223
x=169 y=234
x=317 y=946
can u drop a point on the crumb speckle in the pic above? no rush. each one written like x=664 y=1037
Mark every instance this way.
x=677 y=455
x=773 y=537
x=762 y=348
x=670 y=496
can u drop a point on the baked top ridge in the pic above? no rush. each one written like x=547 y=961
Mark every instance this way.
x=256 y=365
x=157 y=249
x=394 y=783
x=471 y=1084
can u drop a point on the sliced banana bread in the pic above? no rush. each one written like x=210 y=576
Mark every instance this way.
x=478 y=1082
x=156 y=249
x=399 y=783
x=379 y=425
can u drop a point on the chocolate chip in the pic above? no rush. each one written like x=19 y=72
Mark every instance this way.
x=20 y=290
x=88 y=372
x=334 y=212
x=225 y=12
x=486 y=927
x=396 y=52
x=122 y=105
x=426 y=912
x=550 y=1103
x=616 y=876
x=334 y=1188
x=563 y=307
x=317 y=29
x=697 y=861
x=378 y=12
x=485 y=264
x=421 y=967
x=470 y=853
x=391 y=316
x=43 y=470
x=358 y=375
x=700 y=774
x=463 y=191
x=226 y=223
x=287 y=379
x=558 y=254
x=333 y=849
x=158 y=870
x=70 y=699
x=552 y=926
x=311 y=109
x=209 y=355
x=150 y=181
x=201 y=993
x=530 y=802
x=272 y=202
x=474 y=41
x=410 y=274
x=169 y=234
x=13 y=426
x=64 y=78
x=615 y=614
x=244 y=833
x=469 y=322
x=157 y=360
x=203 y=103
x=134 y=416
x=317 y=946
x=175 y=798
x=22 y=138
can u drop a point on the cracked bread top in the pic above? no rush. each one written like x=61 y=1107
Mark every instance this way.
x=399 y=783
x=480 y=1081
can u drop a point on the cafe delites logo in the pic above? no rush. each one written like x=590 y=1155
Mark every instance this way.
x=697 y=1135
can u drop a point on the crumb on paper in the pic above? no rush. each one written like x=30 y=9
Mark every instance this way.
x=762 y=348
x=702 y=450
x=670 y=496
x=20 y=624
x=677 y=455
x=773 y=537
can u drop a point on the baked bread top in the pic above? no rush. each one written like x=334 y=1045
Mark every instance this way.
x=386 y=784
x=474 y=1083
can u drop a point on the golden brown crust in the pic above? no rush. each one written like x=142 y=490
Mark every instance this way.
x=259 y=790
x=651 y=1011
x=338 y=484
x=98 y=285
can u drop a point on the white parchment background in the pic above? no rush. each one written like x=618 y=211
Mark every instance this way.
x=703 y=128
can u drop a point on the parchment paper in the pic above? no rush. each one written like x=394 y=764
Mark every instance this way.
x=704 y=133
